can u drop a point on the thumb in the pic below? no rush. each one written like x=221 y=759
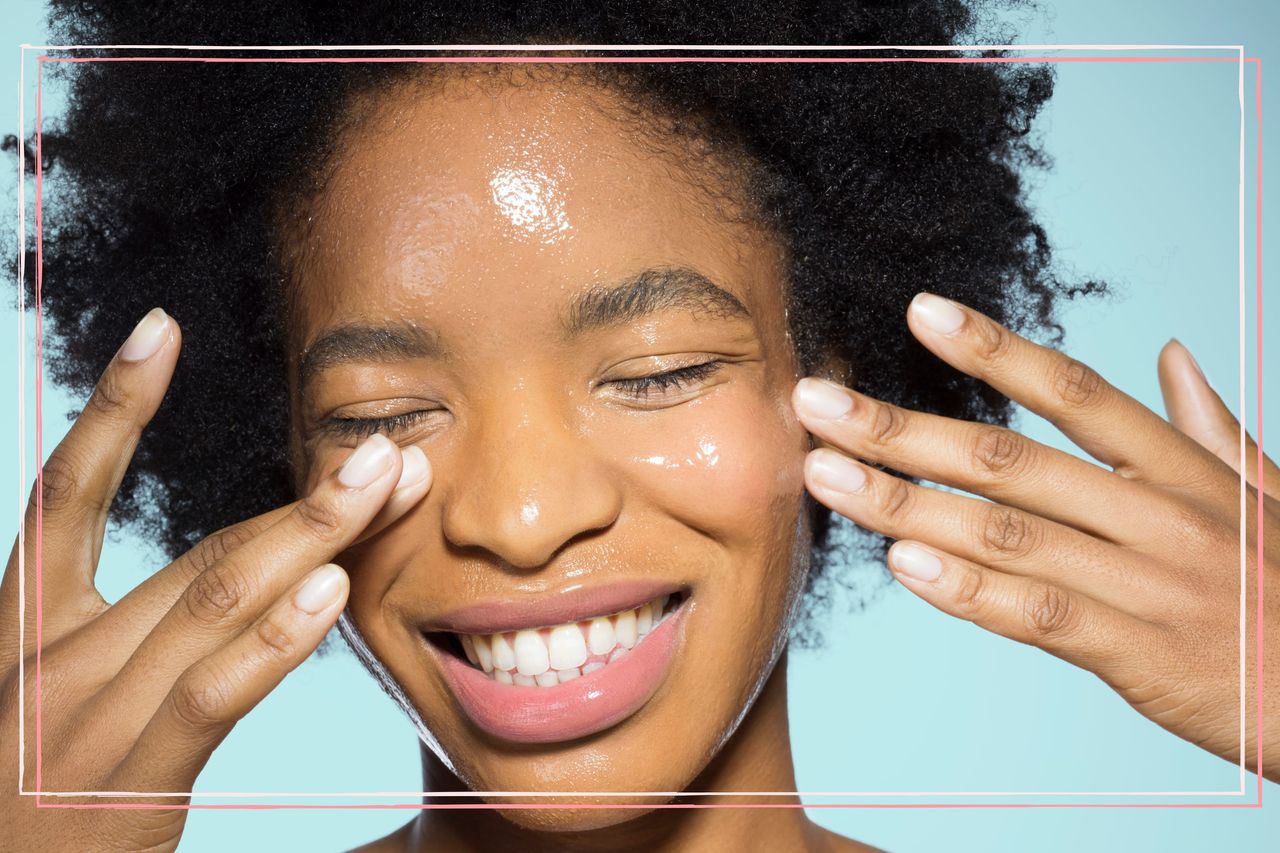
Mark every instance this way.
x=1196 y=409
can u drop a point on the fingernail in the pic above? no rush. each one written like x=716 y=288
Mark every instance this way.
x=839 y=473
x=147 y=337
x=822 y=399
x=941 y=315
x=369 y=462
x=1199 y=371
x=917 y=563
x=321 y=590
x=414 y=468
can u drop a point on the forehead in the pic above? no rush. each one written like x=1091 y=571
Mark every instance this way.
x=464 y=198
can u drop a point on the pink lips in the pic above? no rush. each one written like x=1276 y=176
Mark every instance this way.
x=575 y=709
x=570 y=606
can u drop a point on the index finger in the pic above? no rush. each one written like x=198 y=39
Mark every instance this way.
x=131 y=618
x=1107 y=423
x=67 y=513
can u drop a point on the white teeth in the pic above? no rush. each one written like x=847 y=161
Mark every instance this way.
x=644 y=619
x=468 y=648
x=600 y=638
x=531 y=653
x=624 y=629
x=503 y=655
x=567 y=649
x=482 y=651
x=544 y=657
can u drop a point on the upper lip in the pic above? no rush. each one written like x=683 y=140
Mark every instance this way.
x=573 y=604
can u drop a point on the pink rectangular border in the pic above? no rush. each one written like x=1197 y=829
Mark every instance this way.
x=1242 y=60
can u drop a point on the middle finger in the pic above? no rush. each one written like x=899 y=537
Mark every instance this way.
x=999 y=537
x=230 y=594
x=986 y=460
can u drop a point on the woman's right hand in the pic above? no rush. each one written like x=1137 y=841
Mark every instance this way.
x=135 y=696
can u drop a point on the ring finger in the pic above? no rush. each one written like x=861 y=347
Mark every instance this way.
x=1000 y=537
x=992 y=461
x=232 y=592
x=1040 y=613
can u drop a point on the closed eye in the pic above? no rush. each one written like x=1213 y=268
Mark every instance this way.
x=390 y=424
x=643 y=387
x=638 y=388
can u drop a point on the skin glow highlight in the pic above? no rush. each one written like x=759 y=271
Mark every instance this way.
x=576 y=462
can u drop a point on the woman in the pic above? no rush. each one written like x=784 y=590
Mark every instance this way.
x=545 y=379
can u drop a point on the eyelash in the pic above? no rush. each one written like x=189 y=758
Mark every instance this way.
x=361 y=427
x=639 y=387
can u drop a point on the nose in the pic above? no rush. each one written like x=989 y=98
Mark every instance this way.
x=529 y=485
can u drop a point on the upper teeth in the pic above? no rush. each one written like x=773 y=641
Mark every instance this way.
x=552 y=655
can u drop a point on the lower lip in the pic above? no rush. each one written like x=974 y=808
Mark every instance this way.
x=575 y=709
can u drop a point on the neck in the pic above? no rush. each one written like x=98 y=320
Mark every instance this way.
x=756 y=758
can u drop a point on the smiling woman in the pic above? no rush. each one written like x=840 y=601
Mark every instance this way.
x=579 y=399
x=567 y=365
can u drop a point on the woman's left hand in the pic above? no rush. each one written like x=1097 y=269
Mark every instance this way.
x=1131 y=571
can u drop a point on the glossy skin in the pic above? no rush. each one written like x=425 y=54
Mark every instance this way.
x=482 y=216
x=548 y=474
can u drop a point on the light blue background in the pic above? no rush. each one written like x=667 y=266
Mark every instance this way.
x=903 y=698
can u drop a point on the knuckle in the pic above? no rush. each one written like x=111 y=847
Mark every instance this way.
x=111 y=397
x=896 y=498
x=218 y=545
x=217 y=593
x=971 y=591
x=992 y=340
x=1008 y=532
x=1075 y=383
x=1048 y=611
x=60 y=479
x=887 y=424
x=1000 y=452
x=318 y=518
x=275 y=638
x=200 y=700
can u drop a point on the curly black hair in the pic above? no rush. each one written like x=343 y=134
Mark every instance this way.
x=881 y=179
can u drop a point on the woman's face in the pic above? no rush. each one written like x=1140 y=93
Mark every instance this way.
x=491 y=275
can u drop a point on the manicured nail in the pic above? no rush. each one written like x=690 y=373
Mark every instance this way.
x=369 y=462
x=1199 y=371
x=907 y=558
x=414 y=468
x=822 y=399
x=941 y=315
x=321 y=590
x=839 y=473
x=147 y=337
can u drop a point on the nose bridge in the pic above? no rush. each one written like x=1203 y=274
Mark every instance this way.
x=528 y=484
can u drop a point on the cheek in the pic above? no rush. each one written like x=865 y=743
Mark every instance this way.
x=725 y=469
x=730 y=466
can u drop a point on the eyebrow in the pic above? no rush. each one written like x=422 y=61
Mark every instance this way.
x=598 y=307
x=368 y=343
x=651 y=291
